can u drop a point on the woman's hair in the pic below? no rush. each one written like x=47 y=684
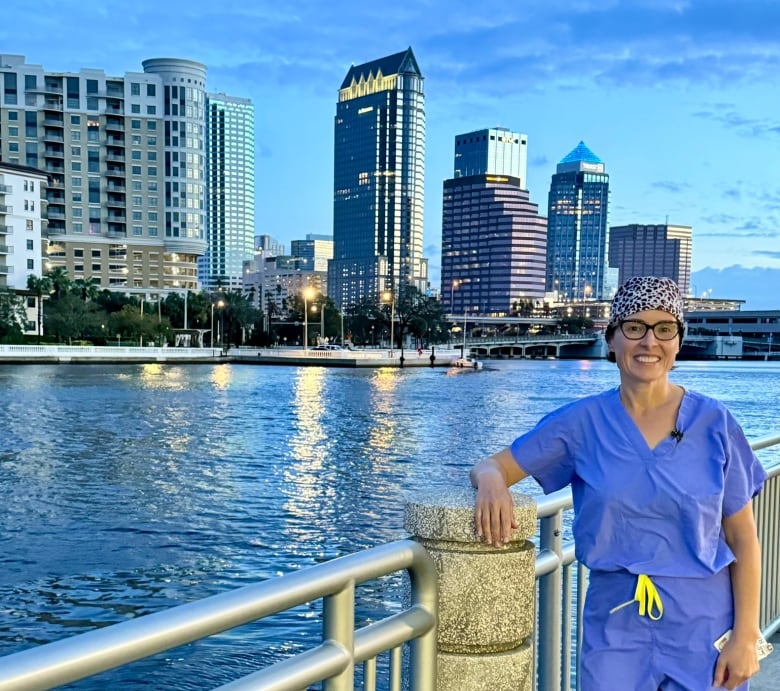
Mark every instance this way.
x=610 y=332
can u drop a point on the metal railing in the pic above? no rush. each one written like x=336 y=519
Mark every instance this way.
x=332 y=662
x=559 y=630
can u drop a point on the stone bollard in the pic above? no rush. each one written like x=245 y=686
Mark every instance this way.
x=486 y=594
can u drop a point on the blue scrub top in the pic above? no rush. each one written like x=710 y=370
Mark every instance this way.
x=653 y=511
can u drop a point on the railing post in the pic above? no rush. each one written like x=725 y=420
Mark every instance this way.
x=486 y=594
x=550 y=540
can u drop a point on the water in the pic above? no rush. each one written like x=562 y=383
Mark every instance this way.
x=129 y=489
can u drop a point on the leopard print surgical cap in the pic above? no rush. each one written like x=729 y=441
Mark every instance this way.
x=646 y=293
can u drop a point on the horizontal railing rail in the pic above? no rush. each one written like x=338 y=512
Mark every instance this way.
x=560 y=608
x=332 y=661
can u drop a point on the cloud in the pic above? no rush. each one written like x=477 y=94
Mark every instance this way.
x=539 y=161
x=670 y=186
x=767 y=253
x=761 y=128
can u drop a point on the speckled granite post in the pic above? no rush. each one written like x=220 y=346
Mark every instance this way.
x=486 y=594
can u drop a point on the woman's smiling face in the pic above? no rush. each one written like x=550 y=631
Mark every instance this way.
x=648 y=358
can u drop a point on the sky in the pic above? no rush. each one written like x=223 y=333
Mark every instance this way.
x=679 y=98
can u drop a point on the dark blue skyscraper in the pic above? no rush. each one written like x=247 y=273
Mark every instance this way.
x=379 y=171
x=577 y=226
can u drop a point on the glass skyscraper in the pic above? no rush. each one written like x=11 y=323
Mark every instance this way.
x=230 y=175
x=495 y=151
x=577 y=227
x=379 y=172
x=493 y=238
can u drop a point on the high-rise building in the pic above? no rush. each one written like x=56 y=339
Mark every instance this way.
x=577 y=227
x=22 y=232
x=317 y=250
x=379 y=171
x=125 y=160
x=230 y=172
x=494 y=151
x=652 y=250
x=270 y=245
x=493 y=238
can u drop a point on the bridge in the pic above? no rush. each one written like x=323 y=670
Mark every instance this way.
x=536 y=346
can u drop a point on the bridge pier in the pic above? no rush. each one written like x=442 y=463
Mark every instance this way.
x=486 y=594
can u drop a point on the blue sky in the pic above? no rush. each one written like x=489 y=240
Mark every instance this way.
x=679 y=98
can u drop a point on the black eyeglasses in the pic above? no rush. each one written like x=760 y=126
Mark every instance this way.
x=634 y=329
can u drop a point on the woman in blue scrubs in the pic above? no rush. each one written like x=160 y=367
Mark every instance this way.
x=662 y=480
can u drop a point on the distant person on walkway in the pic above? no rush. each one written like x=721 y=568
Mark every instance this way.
x=662 y=480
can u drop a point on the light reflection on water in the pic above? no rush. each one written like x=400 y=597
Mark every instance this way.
x=130 y=489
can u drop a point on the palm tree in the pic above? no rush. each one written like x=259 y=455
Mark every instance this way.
x=60 y=283
x=87 y=288
x=39 y=286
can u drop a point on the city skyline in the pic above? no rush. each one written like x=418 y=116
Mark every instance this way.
x=677 y=97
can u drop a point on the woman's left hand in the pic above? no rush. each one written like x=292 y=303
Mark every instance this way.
x=737 y=662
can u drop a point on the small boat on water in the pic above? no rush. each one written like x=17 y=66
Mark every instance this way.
x=466 y=363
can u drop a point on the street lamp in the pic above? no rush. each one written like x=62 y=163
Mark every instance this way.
x=455 y=283
x=308 y=294
x=390 y=295
x=219 y=304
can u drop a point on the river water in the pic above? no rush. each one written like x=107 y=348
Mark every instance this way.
x=129 y=489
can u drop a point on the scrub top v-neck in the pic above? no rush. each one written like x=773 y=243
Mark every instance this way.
x=647 y=511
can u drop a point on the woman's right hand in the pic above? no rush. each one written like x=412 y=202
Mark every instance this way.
x=494 y=513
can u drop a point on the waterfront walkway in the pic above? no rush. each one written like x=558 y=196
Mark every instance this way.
x=768 y=679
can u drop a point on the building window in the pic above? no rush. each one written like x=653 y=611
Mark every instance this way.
x=78 y=252
x=135 y=108
x=151 y=110
x=30 y=264
x=31 y=302
x=96 y=267
x=151 y=90
x=30 y=245
x=29 y=224
x=135 y=89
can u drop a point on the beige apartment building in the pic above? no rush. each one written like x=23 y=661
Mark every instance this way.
x=125 y=158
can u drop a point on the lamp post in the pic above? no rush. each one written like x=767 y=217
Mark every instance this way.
x=455 y=283
x=219 y=304
x=308 y=294
x=390 y=295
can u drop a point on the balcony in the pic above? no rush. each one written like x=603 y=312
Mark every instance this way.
x=52 y=88
x=55 y=196
x=116 y=200
x=53 y=136
x=6 y=189
x=6 y=230
x=115 y=141
x=54 y=168
x=4 y=249
x=52 y=121
x=54 y=212
x=115 y=110
x=115 y=123
x=6 y=269
x=116 y=218
x=53 y=152
x=6 y=209
x=115 y=172
x=116 y=232
x=52 y=104
x=116 y=187
x=115 y=157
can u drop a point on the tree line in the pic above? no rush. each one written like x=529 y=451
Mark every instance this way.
x=79 y=312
